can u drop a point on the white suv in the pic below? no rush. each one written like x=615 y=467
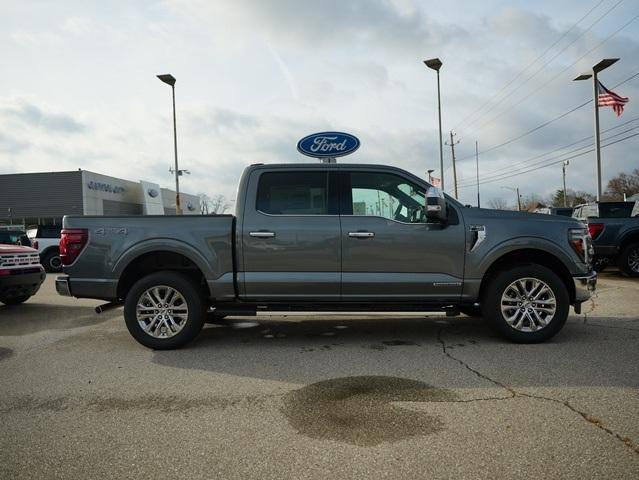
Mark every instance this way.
x=46 y=239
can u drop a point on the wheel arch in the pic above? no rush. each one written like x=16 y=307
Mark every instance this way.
x=153 y=258
x=522 y=256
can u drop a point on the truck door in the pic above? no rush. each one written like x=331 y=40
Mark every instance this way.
x=389 y=251
x=290 y=236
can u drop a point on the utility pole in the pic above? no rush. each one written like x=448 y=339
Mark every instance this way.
x=563 y=171
x=477 y=165
x=452 y=148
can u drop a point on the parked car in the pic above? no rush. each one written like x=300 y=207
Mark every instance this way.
x=322 y=237
x=605 y=210
x=563 y=211
x=20 y=273
x=45 y=240
x=14 y=237
x=616 y=241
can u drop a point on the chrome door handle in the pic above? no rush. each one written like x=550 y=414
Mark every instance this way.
x=361 y=234
x=262 y=234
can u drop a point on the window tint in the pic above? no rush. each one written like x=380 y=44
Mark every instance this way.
x=386 y=195
x=49 y=232
x=293 y=193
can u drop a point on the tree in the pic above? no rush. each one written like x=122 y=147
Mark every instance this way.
x=498 y=204
x=573 y=198
x=623 y=183
x=217 y=204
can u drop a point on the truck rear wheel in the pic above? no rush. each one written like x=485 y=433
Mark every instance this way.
x=14 y=300
x=629 y=260
x=526 y=304
x=164 y=310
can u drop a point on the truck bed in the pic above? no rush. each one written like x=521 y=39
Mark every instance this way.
x=115 y=242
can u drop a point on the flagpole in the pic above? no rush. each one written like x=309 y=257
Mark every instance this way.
x=595 y=100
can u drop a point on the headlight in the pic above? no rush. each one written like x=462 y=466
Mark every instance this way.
x=581 y=242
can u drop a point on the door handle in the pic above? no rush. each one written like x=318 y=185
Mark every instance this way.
x=262 y=234
x=361 y=234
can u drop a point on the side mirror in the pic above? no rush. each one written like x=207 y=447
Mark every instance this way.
x=435 y=205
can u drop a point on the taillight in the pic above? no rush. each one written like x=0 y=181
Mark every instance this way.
x=72 y=241
x=595 y=229
x=580 y=241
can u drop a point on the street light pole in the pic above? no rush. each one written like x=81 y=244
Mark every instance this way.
x=477 y=165
x=170 y=80
x=602 y=65
x=436 y=64
x=563 y=171
x=518 y=196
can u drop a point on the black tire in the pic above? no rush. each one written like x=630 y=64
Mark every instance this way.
x=492 y=296
x=193 y=298
x=52 y=262
x=471 y=311
x=600 y=264
x=15 y=300
x=628 y=259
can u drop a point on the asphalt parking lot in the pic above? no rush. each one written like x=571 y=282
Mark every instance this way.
x=339 y=397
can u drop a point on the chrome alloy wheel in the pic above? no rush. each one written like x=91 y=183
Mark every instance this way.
x=528 y=304
x=633 y=260
x=161 y=311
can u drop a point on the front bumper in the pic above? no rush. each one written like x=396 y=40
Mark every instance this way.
x=62 y=286
x=22 y=284
x=585 y=286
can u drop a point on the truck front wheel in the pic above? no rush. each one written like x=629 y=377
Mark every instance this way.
x=526 y=304
x=164 y=310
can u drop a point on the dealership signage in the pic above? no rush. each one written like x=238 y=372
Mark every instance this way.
x=328 y=144
x=105 y=187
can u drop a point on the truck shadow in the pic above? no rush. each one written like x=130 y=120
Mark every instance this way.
x=312 y=350
x=17 y=320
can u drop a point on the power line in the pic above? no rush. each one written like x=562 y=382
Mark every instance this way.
x=556 y=76
x=563 y=147
x=541 y=163
x=552 y=163
x=516 y=77
x=533 y=130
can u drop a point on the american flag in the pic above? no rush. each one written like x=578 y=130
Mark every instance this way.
x=608 y=98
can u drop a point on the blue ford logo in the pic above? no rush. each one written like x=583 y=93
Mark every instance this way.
x=328 y=144
x=152 y=192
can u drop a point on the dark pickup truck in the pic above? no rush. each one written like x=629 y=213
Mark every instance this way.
x=326 y=237
x=616 y=241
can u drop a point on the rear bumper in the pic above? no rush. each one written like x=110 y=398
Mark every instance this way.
x=21 y=284
x=585 y=286
x=102 y=289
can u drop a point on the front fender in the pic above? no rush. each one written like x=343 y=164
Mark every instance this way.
x=523 y=243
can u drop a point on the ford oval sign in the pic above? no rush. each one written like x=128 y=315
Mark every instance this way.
x=328 y=144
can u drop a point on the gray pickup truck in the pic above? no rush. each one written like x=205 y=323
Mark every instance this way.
x=327 y=237
x=616 y=241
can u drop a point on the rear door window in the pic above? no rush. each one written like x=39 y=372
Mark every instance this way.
x=295 y=193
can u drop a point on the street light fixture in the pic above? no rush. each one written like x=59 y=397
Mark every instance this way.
x=436 y=64
x=430 y=176
x=602 y=65
x=170 y=80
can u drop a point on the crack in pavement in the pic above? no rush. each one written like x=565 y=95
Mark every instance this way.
x=514 y=393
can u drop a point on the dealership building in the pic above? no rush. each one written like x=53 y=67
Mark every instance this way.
x=44 y=198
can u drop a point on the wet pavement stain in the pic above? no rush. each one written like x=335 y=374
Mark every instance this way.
x=359 y=410
x=5 y=353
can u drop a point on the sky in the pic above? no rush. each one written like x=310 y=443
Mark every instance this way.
x=78 y=87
